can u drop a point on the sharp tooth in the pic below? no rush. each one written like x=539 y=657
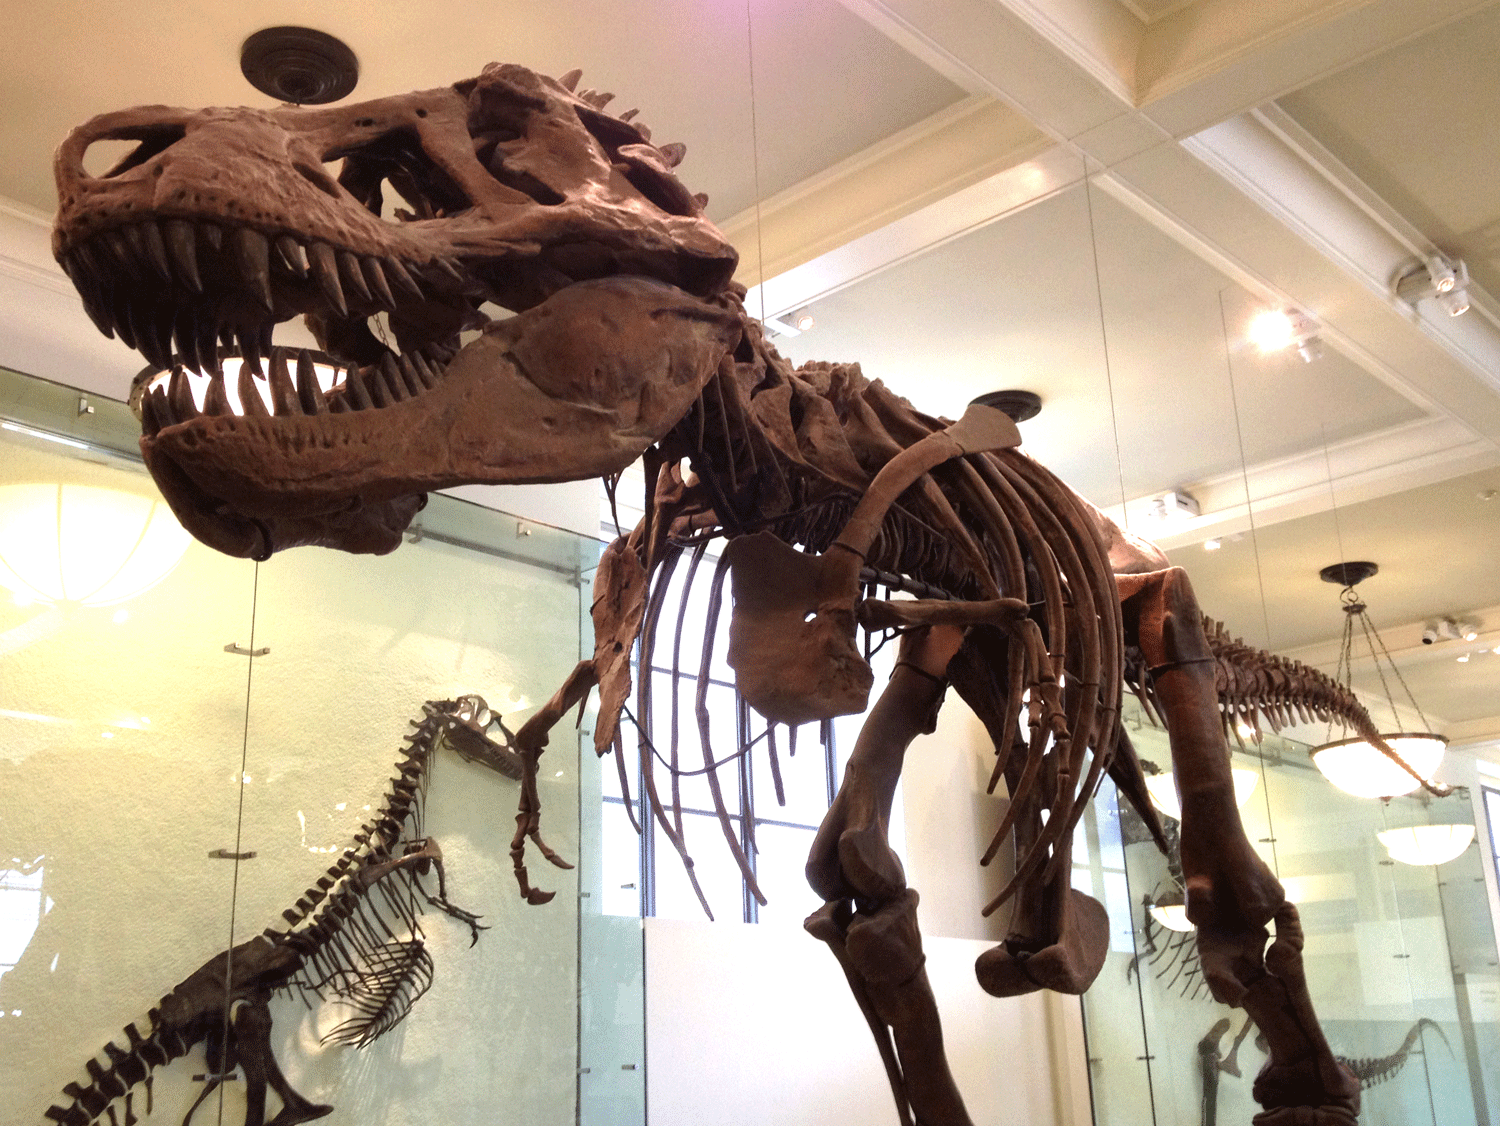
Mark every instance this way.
x=391 y=377
x=150 y=424
x=143 y=328
x=121 y=308
x=308 y=393
x=93 y=292
x=135 y=241
x=120 y=248
x=180 y=396
x=156 y=249
x=283 y=393
x=409 y=376
x=185 y=328
x=291 y=253
x=397 y=272
x=378 y=285
x=216 y=399
x=163 y=405
x=355 y=391
x=249 y=347
x=251 y=404
x=421 y=370
x=447 y=267
x=182 y=245
x=212 y=235
x=428 y=374
x=208 y=343
x=379 y=394
x=252 y=254
x=162 y=323
x=324 y=264
x=353 y=277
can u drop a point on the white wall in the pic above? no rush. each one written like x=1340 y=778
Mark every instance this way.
x=756 y=1025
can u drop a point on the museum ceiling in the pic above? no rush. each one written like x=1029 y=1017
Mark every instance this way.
x=912 y=172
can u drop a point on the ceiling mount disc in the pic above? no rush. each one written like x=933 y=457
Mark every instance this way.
x=1020 y=405
x=298 y=64
x=1348 y=574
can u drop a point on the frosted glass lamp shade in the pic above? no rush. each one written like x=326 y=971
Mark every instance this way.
x=1426 y=844
x=1163 y=791
x=1358 y=768
x=83 y=545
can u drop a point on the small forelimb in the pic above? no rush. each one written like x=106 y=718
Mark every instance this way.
x=531 y=740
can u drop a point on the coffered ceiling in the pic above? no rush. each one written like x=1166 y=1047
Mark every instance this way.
x=1086 y=199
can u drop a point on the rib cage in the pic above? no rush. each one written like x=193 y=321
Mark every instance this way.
x=791 y=452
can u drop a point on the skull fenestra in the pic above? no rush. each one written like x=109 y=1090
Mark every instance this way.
x=516 y=191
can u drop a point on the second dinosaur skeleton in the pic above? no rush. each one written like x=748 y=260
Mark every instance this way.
x=353 y=937
x=630 y=341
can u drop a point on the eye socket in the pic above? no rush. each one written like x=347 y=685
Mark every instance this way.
x=130 y=149
x=396 y=160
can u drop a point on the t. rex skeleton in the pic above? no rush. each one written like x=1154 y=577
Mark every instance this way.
x=353 y=936
x=629 y=339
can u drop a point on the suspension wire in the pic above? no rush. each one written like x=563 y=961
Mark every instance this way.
x=1109 y=382
x=239 y=829
x=1239 y=434
x=760 y=252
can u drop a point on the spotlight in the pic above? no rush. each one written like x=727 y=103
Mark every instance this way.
x=1212 y=544
x=802 y=319
x=1271 y=330
x=1310 y=349
x=1437 y=277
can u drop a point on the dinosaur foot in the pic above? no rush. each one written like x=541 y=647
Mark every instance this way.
x=1301 y=1094
x=460 y=914
x=1068 y=965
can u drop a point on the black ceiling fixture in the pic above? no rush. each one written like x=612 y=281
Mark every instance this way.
x=298 y=64
x=1020 y=405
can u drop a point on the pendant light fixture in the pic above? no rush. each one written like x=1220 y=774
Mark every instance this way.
x=1355 y=765
x=1425 y=845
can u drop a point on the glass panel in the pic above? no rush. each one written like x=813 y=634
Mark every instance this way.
x=475 y=603
x=121 y=732
x=1401 y=961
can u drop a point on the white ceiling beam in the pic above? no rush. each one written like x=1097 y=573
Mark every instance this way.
x=928 y=162
x=1004 y=193
x=1424 y=452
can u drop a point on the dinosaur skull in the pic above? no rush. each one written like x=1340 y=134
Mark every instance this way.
x=517 y=191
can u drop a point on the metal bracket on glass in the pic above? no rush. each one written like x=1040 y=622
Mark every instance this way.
x=628 y=1066
x=225 y=854
x=84 y=406
x=227 y=1077
x=240 y=650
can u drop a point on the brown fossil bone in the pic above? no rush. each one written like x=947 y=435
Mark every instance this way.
x=791 y=640
x=629 y=339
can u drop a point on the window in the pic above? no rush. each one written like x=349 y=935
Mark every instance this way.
x=644 y=874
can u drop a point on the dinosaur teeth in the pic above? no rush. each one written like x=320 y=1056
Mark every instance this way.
x=182 y=245
x=325 y=269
